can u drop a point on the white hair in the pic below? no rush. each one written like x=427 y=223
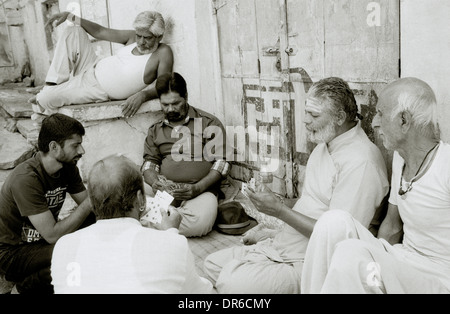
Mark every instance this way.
x=417 y=98
x=151 y=21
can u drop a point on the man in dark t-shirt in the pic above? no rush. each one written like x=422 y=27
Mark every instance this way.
x=31 y=199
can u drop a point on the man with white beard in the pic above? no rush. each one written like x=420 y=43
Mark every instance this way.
x=345 y=171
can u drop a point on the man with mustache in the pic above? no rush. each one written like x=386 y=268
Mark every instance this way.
x=184 y=154
x=30 y=202
x=411 y=253
x=78 y=76
x=345 y=171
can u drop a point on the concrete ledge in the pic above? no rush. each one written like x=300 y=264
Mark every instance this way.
x=15 y=103
x=109 y=133
x=14 y=149
x=116 y=136
x=105 y=110
x=29 y=130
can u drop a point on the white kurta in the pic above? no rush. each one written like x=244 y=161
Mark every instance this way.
x=425 y=211
x=348 y=174
x=72 y=69
x=82 y=77
x=344 y=257
x=120 y=256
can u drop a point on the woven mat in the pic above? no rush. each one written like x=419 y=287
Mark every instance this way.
x=212 y=242
x=215 y=241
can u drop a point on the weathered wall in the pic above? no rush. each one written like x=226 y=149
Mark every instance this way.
x=272 y=51
x=425 y=46
x=119 y=136
x=227 y=51
x=188 y=32
x=12 y=41
x=39 y=40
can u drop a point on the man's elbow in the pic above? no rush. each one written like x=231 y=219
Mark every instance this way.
x=51 y=239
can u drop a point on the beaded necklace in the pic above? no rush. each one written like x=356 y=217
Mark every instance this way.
x=402 y=192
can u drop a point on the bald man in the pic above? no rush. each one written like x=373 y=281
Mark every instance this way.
x=412 y=251
x=117 y=255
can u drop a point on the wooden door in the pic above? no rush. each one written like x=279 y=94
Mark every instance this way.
x=271 y=53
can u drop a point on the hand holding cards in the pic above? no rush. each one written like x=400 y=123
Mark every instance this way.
x=169 y=185
x=161 y=202
x=253 y=186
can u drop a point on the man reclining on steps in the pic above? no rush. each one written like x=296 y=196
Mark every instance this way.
x=79 y=76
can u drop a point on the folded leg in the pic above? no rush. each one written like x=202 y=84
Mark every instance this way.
x=73 y=54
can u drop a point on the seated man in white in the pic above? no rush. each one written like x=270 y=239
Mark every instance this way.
x=345 y=171
x=412 y=251
x=77 y=75
x=117 y=254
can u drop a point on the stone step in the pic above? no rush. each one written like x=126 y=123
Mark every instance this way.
x=15 y=103
x=107 y=131
x=29 y=130
x=105 y=110
x=14 y=149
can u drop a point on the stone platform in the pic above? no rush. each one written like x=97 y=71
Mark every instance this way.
x=107 y=131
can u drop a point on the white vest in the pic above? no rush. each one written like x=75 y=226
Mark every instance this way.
x=122 y=75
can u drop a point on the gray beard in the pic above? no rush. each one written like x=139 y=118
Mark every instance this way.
x=324 y=135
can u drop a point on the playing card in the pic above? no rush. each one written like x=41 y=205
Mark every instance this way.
x=153 y=211
x=176 y=186
x=164 y=180
x=155 y=205
x=164 y=199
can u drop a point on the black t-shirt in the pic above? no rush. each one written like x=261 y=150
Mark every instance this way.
x=28 y=191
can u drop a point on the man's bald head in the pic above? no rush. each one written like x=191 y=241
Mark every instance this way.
x=416 y=97
x=113 y=184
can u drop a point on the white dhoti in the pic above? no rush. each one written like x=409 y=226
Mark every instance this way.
x=349 y=173
x=198 y=214
x=344 y=257
x=252 y=270
x=72 y=69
